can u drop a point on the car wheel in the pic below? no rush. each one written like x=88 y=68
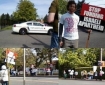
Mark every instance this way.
x=23 y=31
x=49 y=32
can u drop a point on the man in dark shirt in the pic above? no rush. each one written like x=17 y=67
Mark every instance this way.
x=53 y=18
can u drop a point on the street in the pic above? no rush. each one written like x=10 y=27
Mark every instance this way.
x=7 y=39
x=80 y=82
x=97 y=39
x=34 y=81
x=52 y=81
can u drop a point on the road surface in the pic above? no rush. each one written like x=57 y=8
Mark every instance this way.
x=80 y=82
x=34 y=81
x=7 y=39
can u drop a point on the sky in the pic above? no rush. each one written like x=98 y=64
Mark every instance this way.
x=8 y=6
x=100 y=3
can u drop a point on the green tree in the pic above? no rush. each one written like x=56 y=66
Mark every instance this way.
x=25 y=11
x=45 y=18
x=2 y=19
x=79 y=6
x=7 y=19
x=62 y=6
x=75 y=58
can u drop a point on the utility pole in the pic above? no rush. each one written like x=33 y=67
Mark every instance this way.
x=24 y=67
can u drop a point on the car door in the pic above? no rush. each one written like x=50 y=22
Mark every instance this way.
x=39 y=28
x=30 y=26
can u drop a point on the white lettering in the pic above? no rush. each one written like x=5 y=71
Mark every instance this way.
x=92 y=20
x=94 y=15
x=94 y=9
x=90 y=25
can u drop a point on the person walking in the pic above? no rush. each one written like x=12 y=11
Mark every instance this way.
x=76 y=74
x=71 y=74
x=70 y=22
x=96 y=75
x=100 y=74
x=4 y=75
x=65 y=74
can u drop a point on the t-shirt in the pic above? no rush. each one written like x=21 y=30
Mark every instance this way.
x=76 y=73
x=70 y=22
x=4 y=75
x=96 y=74
x=54 y=9
x=72 y=71
x=101 y=73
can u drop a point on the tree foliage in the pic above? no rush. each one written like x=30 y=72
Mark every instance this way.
x=75 y=58
x=43 y=55
x=79 y=6
x=63 y=4
x=25 y=11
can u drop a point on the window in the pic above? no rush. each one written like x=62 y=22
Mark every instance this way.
x=37 y=24
x=30 y=24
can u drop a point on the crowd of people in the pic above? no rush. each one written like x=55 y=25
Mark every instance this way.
x=73 y=74
x=33 y=71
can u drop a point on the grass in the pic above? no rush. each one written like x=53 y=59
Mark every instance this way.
x=7 y=28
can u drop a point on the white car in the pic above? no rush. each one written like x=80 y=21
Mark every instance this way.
x=31 y=27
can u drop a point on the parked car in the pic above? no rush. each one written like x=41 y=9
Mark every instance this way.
x=31 y=27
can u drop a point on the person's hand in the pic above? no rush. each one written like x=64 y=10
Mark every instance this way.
x=89 y=31
x=61 y=43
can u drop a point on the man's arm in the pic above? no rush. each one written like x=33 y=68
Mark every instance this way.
x=51 y=17
x=52 y=11
x=60 y=31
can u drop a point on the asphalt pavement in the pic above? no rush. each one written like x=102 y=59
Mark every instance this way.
x=33 y=81
x=7 y=39
x=52 y=81
x=80 y=82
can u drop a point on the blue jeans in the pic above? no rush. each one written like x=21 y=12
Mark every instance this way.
x=5 y=83
x=54 y=40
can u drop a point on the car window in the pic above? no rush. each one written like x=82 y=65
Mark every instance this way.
x=30 y=24
x=37 y=24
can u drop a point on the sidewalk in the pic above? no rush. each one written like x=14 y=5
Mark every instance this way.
x=81 y=79
x=37 y=76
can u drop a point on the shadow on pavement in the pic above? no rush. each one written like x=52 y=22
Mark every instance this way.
x=40 y=42
x=25 y=46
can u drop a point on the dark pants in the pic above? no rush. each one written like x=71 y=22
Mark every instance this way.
x=100 y=78
x=5 y=83
x=96 y=77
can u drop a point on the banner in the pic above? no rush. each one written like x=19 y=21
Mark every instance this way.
x=92 y=17
x=94 y=68
x=10 y=57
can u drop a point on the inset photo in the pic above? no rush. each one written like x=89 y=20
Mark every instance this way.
x=29 y=66
x=81 y=66
x=27 y=23
x=81 y=23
